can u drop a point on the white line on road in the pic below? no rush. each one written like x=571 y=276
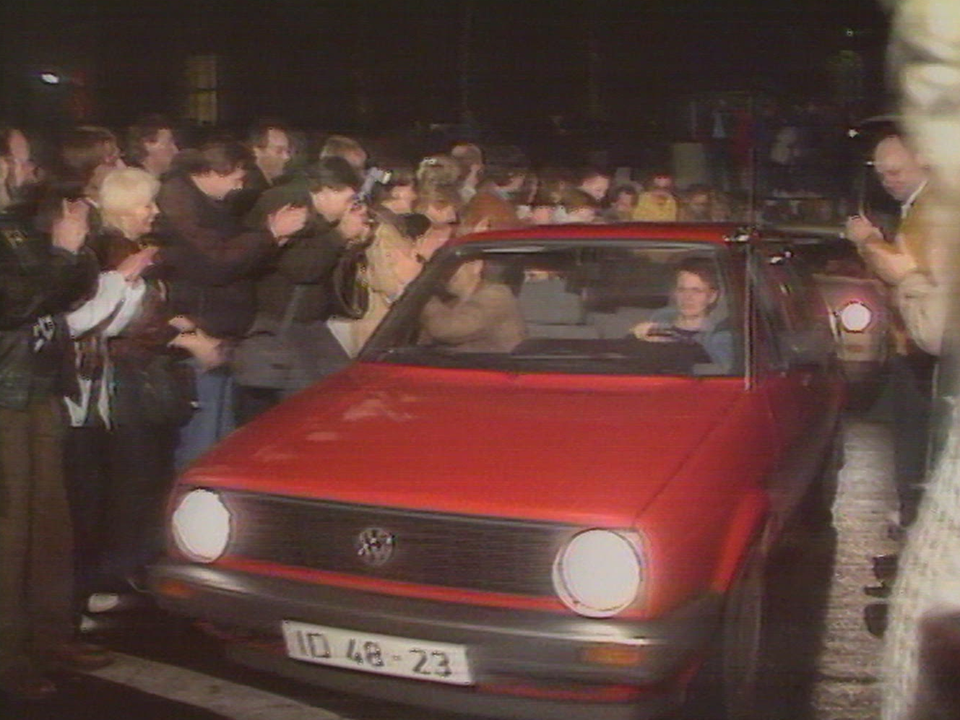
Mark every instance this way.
x=237 y=702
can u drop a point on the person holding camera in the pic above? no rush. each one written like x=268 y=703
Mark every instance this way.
x=289 y=345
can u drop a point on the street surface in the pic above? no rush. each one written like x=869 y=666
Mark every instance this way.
x=821 y=663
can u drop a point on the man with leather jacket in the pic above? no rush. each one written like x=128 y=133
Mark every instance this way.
x=40 y=278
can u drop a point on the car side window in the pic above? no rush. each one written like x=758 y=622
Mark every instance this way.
x=771 y=323
x=794 y=313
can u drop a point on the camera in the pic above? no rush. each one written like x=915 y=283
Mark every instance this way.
x=372 y=177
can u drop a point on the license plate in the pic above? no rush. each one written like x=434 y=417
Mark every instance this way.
x=383 y=654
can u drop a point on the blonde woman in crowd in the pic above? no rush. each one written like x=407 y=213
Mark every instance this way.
x=441 y=205
x=391 y=263
x=438 y=170
x=138 y=397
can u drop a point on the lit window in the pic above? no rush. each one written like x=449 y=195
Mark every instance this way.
x=202 y=89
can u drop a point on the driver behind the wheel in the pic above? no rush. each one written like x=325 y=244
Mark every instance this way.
x=691 y=315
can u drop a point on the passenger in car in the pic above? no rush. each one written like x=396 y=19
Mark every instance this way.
x=479 y=314
x=692 y=315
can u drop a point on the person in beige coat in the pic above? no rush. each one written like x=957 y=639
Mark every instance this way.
x=920 y=673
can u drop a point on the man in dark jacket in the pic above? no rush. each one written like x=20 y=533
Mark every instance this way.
x=269 y=141
x=213 y=261
x=294 y=294
x=39 y=280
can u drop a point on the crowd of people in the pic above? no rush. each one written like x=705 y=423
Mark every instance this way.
x=153 y=299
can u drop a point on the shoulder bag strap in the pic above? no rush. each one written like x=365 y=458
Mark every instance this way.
x=291 y=309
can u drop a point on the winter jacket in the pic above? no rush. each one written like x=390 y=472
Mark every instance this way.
x=38 y=283
x=213 y=260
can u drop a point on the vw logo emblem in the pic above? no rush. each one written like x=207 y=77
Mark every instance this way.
x=375 y=546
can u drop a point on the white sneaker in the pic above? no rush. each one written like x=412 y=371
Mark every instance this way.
x=104 y=602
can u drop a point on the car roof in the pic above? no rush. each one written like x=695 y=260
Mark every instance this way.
x=810 y=233
x=718 y=233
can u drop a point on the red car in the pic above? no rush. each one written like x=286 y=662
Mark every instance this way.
x=547 y=488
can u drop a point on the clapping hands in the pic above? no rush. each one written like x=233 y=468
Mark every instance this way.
x=70 y=229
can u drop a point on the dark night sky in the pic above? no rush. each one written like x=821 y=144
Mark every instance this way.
x=389 y=63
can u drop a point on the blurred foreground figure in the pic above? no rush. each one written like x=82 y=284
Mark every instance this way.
x=926 y=603
x=40 y=278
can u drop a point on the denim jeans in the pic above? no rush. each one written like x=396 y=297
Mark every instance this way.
x=214 y=418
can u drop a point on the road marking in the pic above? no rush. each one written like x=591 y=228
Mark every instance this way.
x=237 y=702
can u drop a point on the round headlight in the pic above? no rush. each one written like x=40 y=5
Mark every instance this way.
x=855 y=316
x=597 y=573
x=201 y=526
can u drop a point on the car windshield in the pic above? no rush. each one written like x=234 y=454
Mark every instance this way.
x=640 y=308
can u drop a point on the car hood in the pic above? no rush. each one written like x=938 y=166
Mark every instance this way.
x=579 y=449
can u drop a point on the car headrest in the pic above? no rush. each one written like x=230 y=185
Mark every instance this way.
x=548 y=301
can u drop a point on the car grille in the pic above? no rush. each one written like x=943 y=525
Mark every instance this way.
x=476 y=553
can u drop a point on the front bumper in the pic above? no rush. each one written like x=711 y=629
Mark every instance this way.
x=526 y=664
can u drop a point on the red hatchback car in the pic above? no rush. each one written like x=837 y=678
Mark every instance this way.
x=547 y=488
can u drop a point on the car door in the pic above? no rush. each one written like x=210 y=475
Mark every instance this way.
x=795 y=371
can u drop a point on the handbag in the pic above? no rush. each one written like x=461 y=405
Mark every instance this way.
x=161 y=390
x=168 y=391
x=264 y=357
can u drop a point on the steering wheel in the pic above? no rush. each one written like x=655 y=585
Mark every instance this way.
x=670 y=334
